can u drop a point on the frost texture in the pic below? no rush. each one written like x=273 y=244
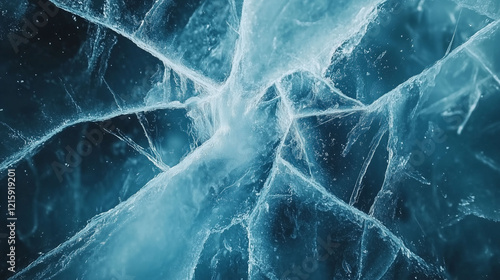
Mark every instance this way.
x=264 y=140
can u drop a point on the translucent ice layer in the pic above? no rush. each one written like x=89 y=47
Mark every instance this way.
x=283 y=139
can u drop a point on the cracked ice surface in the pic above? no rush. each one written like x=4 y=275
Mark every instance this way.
x=259 y=140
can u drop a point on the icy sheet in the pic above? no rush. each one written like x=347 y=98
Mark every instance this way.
x=283 y=139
